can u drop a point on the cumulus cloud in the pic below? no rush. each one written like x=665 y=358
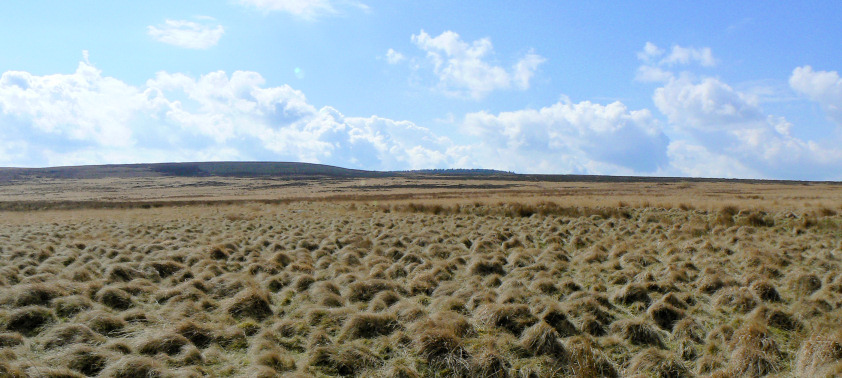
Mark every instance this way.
x=726 y=125
x=708 y=104
x=823 y=87
x=87 y=118
x=720 y=131
x=571 y=137
x=306 y=9
x=463 y=69
x=693 y=160
x=83 y=106
x=394 y=57
x=187 y=34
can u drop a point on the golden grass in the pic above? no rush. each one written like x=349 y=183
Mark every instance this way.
x=500 y=285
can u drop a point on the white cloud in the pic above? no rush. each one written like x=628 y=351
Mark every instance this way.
x=571 y=137
x=86 y=118
x=686 y=55
x=678 y=55
x=720 y=131
x=394 y=57
x=727 y=126
x=691 y=160
x=649 y=74
x=306 y=9
x=823 y=87
x=186 y=34
x=709 y=104
x=462 y=69
x=650 y=51
x=525 y=68
x=83 y=106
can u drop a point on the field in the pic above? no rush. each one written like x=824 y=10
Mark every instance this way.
x=418 y=277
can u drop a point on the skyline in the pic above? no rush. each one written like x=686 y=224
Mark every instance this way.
x=656 y=89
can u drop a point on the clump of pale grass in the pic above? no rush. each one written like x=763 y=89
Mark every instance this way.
x=369 y=325
x=250 y=302
x=29 y=320
x=765 y=290
x=347 y=359
x=443 y=349
x=489 y=362
x=67 y=334
x=71 y=305
x=364 y=291
x=279 y=362
x=134 y=366
x=198 y=334
x=637 y=332
x=586 y=359
x=632 y=293
x=103 y=322
x=543 y=339
x=84 y=359
x=12 y=371
x=10 y=339
x=513 y=318
x=39 y=294
x=738 y=299
x=115 y=298
x=657 y=363
x=161 y=342
x=753 y=351
x=820 y=354
x=664 y=314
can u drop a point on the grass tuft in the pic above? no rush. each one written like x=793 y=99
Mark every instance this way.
x=134 y=367
x=543 y=339
x=368 y=325
x=29 y=320
x=251 y=302
x=657 y=363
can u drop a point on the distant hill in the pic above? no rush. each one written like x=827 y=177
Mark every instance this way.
x=196 y=169
x=290 y=170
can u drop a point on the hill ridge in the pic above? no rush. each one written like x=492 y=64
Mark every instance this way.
x=314 y=170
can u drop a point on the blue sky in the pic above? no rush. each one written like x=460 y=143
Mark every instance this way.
x=704 y=89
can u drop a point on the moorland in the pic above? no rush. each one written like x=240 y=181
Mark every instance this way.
x=284 y=269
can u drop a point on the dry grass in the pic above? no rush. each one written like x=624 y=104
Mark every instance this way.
x=497 y=287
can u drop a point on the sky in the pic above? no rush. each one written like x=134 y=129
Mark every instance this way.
x=747 y=89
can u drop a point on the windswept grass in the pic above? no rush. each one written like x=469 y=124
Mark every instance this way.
x=502 y=287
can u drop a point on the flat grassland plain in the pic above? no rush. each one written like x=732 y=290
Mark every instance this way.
x=178 y=270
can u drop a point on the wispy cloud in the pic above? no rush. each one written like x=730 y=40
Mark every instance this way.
x=652 y=54
x=187 y=34
x=306 y=9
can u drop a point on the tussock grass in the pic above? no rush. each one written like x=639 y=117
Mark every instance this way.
x=135 y=367
x=820 y=354
x=63 y=335
x=167 y=343
x=29 y=320
x=657 y=363
x=637 y=332
x=84 y=359
x=251 y=302
x=368 y=325
x=497 y=288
